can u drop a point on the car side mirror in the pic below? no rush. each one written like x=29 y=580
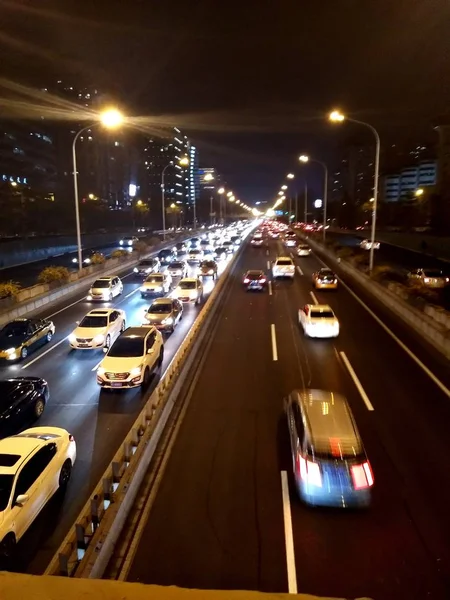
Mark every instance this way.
x=77 y=322
x=150 y=351
x=21 y=500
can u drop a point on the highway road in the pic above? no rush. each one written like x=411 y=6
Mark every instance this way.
x=218 y=518
x=99 y=420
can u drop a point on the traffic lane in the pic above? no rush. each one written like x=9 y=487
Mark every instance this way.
x=216 y=521
x=339 y=539
x=99 y=421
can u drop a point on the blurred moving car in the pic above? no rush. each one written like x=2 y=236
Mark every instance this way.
x=177 y=268
x=180 y=248
x=98 y=329
x=290 y=239
x=128 y=240
x=164 y=314
x=432 y=278
x=303 y=250
x=156 y=283
x=23 y=399
x=229 y=246
x=283 y=267
x=367 y=245
x=324 y=279
x=147 y=266
x=90 y=257
x=189 y=289
x=166 y=255
x=21 y=336
x=105 y=289
x=208 y=268
x=255 y=280
x=329 y=461
x=220 y=253
x=195 y=256
x=318 y=320
x=256 y=241
x=34 y=465
x=136 y=353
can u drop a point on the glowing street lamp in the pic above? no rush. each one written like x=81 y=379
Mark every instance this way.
x=336 y=116
x=229 y=194
x=290 y=176
x=111 y=118
x=221 y=190
x=184 y=162
x=304 y=158
x=284 y=187
x=419 y=192
x=281 y=193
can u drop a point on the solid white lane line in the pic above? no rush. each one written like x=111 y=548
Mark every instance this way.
x=65 y=308
x=274 y=342
x=267 y=253
x=356 y=381
x=268 y=264
x=288 y=535
x=313 y=296
x=96 y=366
x=131 y=293
x=270 y=288
x=44 y=353
x=300 y=272
x=291 y=255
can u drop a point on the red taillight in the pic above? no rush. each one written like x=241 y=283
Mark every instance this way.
x=309 y=471
x=246 y=280
x=362 y=476
x=71 y=438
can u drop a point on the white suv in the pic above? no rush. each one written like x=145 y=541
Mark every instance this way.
x=318 y=320
x=98 y=329
x=136 y=353
x=283 y=267
x=105 y=289
x=34 y=465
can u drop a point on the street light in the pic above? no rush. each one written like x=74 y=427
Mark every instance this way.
x=290 y=176
x=284 y=187
x=337 y=117
x=419 y=192
x=184 y=162
x=111 y=119
x=229 y=194
x=304 y=158
x=281 y=193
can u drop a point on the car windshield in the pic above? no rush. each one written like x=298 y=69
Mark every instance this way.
x=432 y=273
x=284 y=261
x=187 y=285
x=254 y=275
x=127 y=346
x=160 y=308
x=91 y=321
x=195 y=251
x=6 y=483
x=221 y=249
x=154 y=279
x=324 y=314
x=207 y=264
x=326 y=274
x=165 y=252
x=147 y=263
x=303 y=247
x=15 y=328
x=101 y=283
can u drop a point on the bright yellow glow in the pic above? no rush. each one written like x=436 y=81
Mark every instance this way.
x=290 y=175
x=270 y=212
x=140 y=203
x=13 y=183
x=284 y=187
x=372 y=200
x=232 y=198
x=91 y=196
x=336 y=116
x=173 y=205
x=221 y=190
x=111 y=118
x=419 y=192
x=303 y=158
x=229 y=194
x=184 y=162
x=208 y=177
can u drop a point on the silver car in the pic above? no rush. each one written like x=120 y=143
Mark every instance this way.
x=105 y=289
x=156 y=283
x=328 y=458
x=178 y=268
x=164 y=314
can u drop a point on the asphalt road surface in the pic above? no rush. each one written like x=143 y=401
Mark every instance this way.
x=99 y=420
x=218 y=519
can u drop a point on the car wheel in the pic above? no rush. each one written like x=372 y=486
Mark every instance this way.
x=64 y=476
x=49 y=336
x=145 y=379
x=24 y=352
x=8 y=546
x=108 y=341
x=122 y=327
x=38 y=408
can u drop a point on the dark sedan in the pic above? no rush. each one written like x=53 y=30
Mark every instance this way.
x=22 y=400
x=19 y=337
x=166 y=256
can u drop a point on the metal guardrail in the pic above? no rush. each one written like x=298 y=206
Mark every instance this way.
x=88 y=545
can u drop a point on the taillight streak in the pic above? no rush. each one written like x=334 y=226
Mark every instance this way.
x=362 y=476
x=309 y=471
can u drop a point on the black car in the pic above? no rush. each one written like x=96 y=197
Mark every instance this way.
x=147 y=266
x=19 y=337
x=22 y=400
x=180 y=248
x=166 y=256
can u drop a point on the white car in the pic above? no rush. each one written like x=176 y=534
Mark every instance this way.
x=290 y=240
x=283 y=267
x=303 y=250
x=98 y=329
x=130 y=361
x=177 y=268
x=367 y=245
x=34 y=465
x=432 y=278
x=318 y=320
x=129 y=240
x=195 y=256
x=105 y=289
x=189 y=289
x=157 y=283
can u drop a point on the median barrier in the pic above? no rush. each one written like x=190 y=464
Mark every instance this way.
x=424 y=323
x=88 y=547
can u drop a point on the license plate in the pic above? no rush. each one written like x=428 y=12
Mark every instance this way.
x=116 y=384
x=83 y=345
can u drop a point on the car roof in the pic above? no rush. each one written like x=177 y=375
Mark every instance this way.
x=105 y=278
x=258 y=271
x=100 y=312
x=188 y=279
x=159 y=273
x=284 y=258
x=329 y=418
x=132 y=332
x=18 y=446
x=164 y=300
x=326 y=269
x=320 y=307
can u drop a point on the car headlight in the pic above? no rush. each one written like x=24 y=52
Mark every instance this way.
x=72 y=338
x=142 y=288
x=87 y=260
x=158 y=288
x=136 y=270
x=130 y=243
x=11 y=351
x=99 y=339
x=167 y=321
x=89 y=297
x=101 y=371
x=136 y=371
x=121 y=242
x=74 y=260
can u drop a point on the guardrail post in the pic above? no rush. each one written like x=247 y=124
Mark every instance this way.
x=127 y=454
x=80 y=532
x=63 y=560
x=134 y=436
x=94 y=512
x=117 y=472
x=107 y=489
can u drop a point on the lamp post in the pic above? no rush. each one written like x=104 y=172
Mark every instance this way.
x=338 y=117
x=183 y=162
x=16 y=186
x=304 y=159
x=223 y=205
x=110 y=119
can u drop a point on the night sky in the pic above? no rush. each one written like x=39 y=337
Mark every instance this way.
x=249 y=82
